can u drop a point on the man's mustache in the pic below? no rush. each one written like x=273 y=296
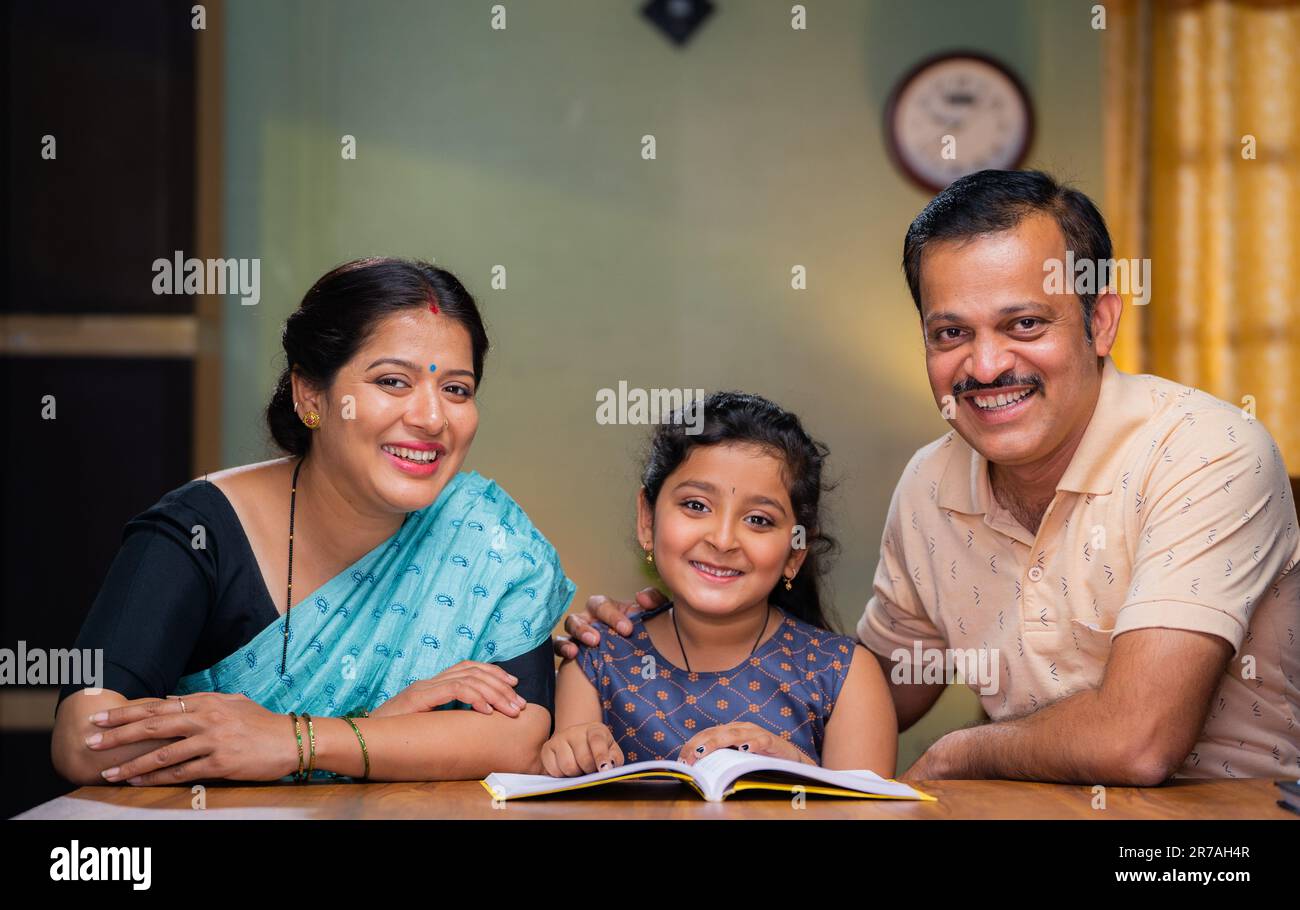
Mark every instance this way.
x=1007 y=380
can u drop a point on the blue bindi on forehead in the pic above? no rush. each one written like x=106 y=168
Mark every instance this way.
x=433 y=367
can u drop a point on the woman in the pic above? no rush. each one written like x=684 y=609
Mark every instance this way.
x=412 y=586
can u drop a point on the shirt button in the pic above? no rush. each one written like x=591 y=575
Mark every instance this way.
x=1035 y=573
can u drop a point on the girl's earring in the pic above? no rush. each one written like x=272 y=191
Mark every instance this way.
x=650 y=557
x=311 y=419
x=789 y=583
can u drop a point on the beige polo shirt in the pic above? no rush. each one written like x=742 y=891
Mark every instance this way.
x=1175 y=512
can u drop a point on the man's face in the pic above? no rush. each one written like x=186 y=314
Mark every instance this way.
x=1014 y=357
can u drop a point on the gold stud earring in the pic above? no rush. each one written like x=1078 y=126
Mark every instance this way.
x=311 y=419
x=789 y=583
x=650 y=557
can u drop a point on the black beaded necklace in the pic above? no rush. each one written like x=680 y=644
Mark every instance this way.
x=672 y=613
x=288 y=602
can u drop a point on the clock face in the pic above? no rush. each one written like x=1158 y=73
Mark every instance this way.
x=957 y=114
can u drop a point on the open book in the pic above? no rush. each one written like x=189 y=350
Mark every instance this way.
x=715 y=777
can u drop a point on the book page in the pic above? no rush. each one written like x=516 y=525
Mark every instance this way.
x=511 y=785
x=720 y=769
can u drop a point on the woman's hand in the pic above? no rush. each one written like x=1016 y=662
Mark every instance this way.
x=743 y=736
x=485 y=687
x=218 y=736
x=581 y=749
x=72 y=758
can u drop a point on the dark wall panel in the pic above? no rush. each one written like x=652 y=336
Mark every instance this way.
x=114 y=84
x=119 y=441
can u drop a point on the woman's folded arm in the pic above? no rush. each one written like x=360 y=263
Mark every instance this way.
x=434 y=745
x=73 y=759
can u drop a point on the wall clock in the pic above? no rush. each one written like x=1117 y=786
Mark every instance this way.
x=955 y=114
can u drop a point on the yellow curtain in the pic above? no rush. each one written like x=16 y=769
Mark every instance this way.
x=1202 y=140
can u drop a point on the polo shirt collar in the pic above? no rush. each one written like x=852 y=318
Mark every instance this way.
x=964 y=485
x=1123 y=406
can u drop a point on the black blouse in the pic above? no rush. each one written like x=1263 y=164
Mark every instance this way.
x=169 y=608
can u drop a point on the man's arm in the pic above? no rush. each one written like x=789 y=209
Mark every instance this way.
x=911 y=700
x=1134 y=730
x=613 y=613
x=896 y=618
x=895 y=623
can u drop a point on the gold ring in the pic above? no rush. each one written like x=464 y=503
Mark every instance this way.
x=182 y=701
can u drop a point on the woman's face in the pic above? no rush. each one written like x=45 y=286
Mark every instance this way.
x=399 y=419
x=721 y=528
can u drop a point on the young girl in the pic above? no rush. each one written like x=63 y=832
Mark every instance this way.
x=740 y=657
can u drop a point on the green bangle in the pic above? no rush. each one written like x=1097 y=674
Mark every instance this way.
x=361 y=739
x=311 y=735
x=297 y=729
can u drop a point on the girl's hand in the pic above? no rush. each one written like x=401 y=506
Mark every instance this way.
x=486 y=687
x=217 y=735
x=743 y=736
x=581 y=749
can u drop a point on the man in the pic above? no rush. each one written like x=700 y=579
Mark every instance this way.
x=1118 y=548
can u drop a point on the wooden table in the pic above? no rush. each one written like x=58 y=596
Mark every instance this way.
x=957 y=799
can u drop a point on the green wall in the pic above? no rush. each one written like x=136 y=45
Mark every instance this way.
x=522 y=148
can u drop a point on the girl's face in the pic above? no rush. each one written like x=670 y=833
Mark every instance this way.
x=721 y=528
x=400 y=416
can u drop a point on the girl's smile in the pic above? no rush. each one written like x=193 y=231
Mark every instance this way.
x=714 y=573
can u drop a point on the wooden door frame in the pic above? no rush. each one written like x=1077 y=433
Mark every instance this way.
x=209 y=149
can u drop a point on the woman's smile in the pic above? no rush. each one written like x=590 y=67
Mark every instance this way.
x=419 y=459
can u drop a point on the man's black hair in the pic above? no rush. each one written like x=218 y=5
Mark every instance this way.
x=989 y=202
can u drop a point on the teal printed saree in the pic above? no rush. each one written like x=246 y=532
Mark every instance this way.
x=466 y=578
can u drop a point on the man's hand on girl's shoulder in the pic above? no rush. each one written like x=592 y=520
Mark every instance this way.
x=616 y=614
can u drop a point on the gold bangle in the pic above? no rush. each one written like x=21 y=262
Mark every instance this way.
x=298 y=732
x=311 y=735
x=361 y=739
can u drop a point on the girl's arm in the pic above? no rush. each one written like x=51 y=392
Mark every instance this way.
x=582 y=744
x=576 y=699
x=863 y=731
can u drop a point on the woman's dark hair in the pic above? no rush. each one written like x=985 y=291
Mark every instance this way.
x=992 y=201
x=737 y=418
x=339 y=313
